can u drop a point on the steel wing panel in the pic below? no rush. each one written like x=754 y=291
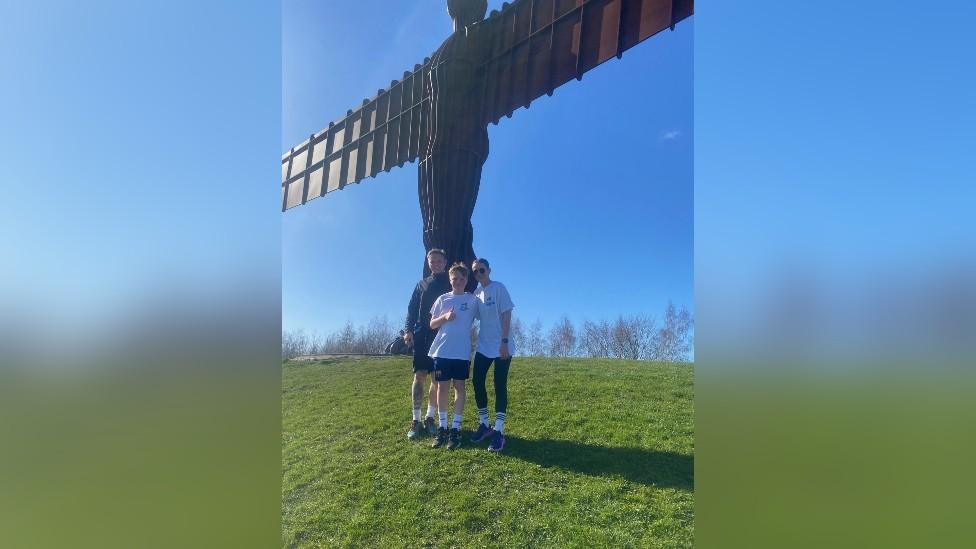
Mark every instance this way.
x=383 y=132
x=538 y=45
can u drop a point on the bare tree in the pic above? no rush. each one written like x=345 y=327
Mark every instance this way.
x=329 y=344
x=369 y=339
x=535 y=342
x=376 y=335
x=346 y=339
x=294 y=343
x=562 y=338
x=644 y=328
x=619 y=339
x=596 y=339
x=316 y=342
x=633 y=337
x=516 y=335
x=673 y=341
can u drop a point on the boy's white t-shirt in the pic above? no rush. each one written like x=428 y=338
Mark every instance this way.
x=492 y=302
x=453 y=339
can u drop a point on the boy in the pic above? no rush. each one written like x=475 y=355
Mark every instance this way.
x=452 y=315
x=495 y=311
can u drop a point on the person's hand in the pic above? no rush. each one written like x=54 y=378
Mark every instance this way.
x=408 y=338
x=503 y=351
x=449 y=315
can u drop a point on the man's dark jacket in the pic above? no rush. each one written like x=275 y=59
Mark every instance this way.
x=424 y=295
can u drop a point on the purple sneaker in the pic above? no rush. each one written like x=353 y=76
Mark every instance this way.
x=482 y=433
x=497 y=442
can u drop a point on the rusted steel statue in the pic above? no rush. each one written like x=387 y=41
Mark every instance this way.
x=439 y=112
x=457 y=135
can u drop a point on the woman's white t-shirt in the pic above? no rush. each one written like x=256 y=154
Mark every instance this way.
x=492 y=302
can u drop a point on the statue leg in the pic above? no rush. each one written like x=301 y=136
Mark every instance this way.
x=448 y=185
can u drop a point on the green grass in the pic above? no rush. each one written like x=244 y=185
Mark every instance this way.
x=600 y=453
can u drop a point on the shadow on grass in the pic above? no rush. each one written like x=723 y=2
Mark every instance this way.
x=662 y=469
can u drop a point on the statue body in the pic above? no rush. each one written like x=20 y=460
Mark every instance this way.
x=449 y=174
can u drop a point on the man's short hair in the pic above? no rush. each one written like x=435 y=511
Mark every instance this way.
x=437 y=251
x=483 y=261
x=458 y=268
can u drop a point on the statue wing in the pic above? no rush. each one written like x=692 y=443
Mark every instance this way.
x=385 y=131
x=532 y=47
x=535 y=46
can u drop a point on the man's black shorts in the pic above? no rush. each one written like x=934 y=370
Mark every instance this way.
x=446 y=369
x=422 y=341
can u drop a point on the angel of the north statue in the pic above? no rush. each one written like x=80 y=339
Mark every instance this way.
x=439 y=112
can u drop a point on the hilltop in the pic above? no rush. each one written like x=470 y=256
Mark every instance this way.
x=600 y=453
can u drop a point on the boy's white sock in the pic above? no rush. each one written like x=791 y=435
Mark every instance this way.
x=483 y=416
x=416 y=414
x=443 y=418
x=431 y=411
x=456 y=424
x=500 y=422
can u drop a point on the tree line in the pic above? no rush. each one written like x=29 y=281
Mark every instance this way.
x=369 y=339
x=636 y=337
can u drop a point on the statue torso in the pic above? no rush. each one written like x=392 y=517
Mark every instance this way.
x=455 y=84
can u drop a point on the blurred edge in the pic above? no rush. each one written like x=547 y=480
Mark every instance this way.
x=140 y=294
x=835 y=276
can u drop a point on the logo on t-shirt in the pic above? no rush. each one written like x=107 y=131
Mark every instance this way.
x=464 y=307
x=490 y=301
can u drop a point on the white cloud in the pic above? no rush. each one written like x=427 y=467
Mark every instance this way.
x=670 y=135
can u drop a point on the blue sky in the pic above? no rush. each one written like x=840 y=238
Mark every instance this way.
x=586 y=201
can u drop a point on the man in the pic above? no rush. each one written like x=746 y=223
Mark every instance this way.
x=495 y=311
x=418 y=333
x=452 y=315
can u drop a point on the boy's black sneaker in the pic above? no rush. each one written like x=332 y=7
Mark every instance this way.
x=430 y=426
x=440 y=439
x=454 y=439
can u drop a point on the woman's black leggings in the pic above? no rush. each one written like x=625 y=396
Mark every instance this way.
x=481 y=365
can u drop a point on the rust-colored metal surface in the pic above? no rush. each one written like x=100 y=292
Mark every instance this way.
x=438 y=112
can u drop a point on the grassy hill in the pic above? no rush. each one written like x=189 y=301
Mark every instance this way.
x=599 y=454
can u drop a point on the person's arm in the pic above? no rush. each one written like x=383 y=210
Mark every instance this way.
x=506 y=319
x=438 y=321
x=505 y=305
x=412 y=310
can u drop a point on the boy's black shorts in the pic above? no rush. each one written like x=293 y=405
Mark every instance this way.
x=446 y=369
